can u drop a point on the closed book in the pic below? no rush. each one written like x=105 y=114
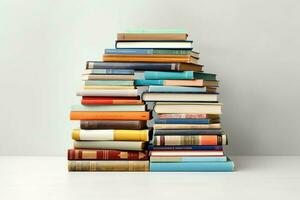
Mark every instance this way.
x=179 y=159
x=182 y=121
x=113 y=145
x=152 y=36
x=96 y=108
x=176 y=153
x=198 y=97
x=108 y=71
x=113 y=124
x=155 y=44
x=152 y=52
x=176 y=89
x=165 y=140
x=110 y=134
x=107 y=77
x=187 y=132
x=108 y=87
x=186 y=75
x=203 y=108
x=149 y=58
x=207 y=166
x=144 y=66
x=109 y=82
x=116 y=93
x=109 y=115
x=192 y=83
x=151 y=147
x=156 y=31
x=111 y=165
x=90 y=154
x=110 y=100
x=187 y=116
x=187 y=126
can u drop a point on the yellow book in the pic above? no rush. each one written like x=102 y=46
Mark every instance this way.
x=110 y=135
x=109 y=87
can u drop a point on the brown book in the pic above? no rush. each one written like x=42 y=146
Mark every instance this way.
x=90 y=154
x=152 y=36
x=208 y=140
x=111 y=165
x=113 y=124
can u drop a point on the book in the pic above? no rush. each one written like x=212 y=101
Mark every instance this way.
x=186 y=75
x=180 y=97
x=155 y=44
x=153 y=52
x=179 y=153
x=110 y=101
x=110 y=93
x=109 y=115
x=108 y=87
x=113 y=145
x=107 y=77
x=187 y=132
x=178 y=89
x=187 y=126
x=96 y=108
x=110 y=134
x=180 y=159
x=165 y=140
x=109 y=82
x=184 y=148
x=203 y=108
x=90 y=154
x=144 y=66
x=113 y=124
x=187 y=116
x=183 y=121
x=156 y=31
x=193 y=83
x=109 y=71
x=111 y=165
x=207 y=166
x=149 y=58
x=151 y=36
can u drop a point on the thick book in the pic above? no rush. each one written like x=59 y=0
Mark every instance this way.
x=151 y=147
x=187 y=132
x=176 y=153
x=110 y=101
x=193 y=83
x=187 y=116
x=110 y=135
x=107 y=77
x=155 y=44
x=187 y=126
x=203 y=108
x=179 y=89
x=144 y=66
x=207 y=166
x=191 y=97
x=149 y=58
x=96 y=108
x=180 y=159
x=113 y=145
x=153 y=52
x=108 y=87
x=109 y=82
x=107 y=165
x=105 y=93
x=207 y=140
x=151 y=36
x=108 y=71
x=110 y=115
x=90 y=154
x=186 y=75
x=183 y=121
x=113 y=124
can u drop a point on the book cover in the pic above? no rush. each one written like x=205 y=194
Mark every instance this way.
x=113 y=145
x=153 y=52
x=109 y=115
x=179 y=153
x=111 y=101
x=180 y=159
x=182 y=121
x=108 y=87
x=96 y=108
x=193 y=83
x=113 y=124
x=165 y=140
x=187 y=132
x=107 y=77
x=185 y=147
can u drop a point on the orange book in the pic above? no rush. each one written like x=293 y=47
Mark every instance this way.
x=109 y=115
x=197 y=82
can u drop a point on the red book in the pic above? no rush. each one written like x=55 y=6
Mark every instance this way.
x=110 y=100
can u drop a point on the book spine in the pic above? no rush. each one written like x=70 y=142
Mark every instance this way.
x=91 y=108
x=105 y=93
x=117 y=71
x=156 y=75
x=109 y=115
x=87 y=165
x=187 y=126
x=113 y=145
x=107 y=77
x=129 y=51
x=184 y=147
x=109 y=102
x=108 y=87
x=112 y=124
x=81 y=154
x=108 y=82
x=227 y=166
x=188 y=159
x=148 y=82
x=183 y=116
x=176 y=89
x=164 y=140
x=107 y=135
x=187 y=132
x=182 y=121
x=172 y=52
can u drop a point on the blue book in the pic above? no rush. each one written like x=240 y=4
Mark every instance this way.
x=188 y=159
x=175 y=89
x=141 y=82
x=109 y=82
x=186 y=75
x=207 y=166
x=188 y=147
x=182 y=121
x=109 y=71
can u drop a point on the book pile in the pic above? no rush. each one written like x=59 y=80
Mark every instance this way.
x=159 y=69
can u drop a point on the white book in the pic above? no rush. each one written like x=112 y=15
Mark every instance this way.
x=115 y=93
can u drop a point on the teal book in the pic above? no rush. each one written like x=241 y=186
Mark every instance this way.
x=176 y=159
x=142 y=82
x=109 y=82
x=186 y=75
x=175 y=89
x=99 y=108
x=206 y=166
x=156 y=31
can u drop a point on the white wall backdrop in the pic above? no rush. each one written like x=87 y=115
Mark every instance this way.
x=253 y=46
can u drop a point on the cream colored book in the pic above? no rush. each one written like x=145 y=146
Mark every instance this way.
x=113 y=145
x=105 y=93
x=186 y=126
x=186 y=107
x=108 y=87
x=107 y=77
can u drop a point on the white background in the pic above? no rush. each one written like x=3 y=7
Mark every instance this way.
x=253 y=46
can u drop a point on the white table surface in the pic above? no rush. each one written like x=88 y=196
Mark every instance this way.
x=47 y=178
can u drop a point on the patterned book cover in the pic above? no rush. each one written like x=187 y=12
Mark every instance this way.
x=190 y=140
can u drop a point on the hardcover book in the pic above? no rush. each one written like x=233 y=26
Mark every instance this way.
x=187 y=126
x=109 y=115
x=151 y=36
x=109 y=71
x=193 y=83
x=151 y=147
x=152 y=52
x=203 y=108
x=96 y=108
x=155 y=44
x=186 y=75
x=180 y=159
x=113 y=145
x=187 y=132
x=198 y=97
x=111 y=101
x=113 y=124
x=165 y=140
